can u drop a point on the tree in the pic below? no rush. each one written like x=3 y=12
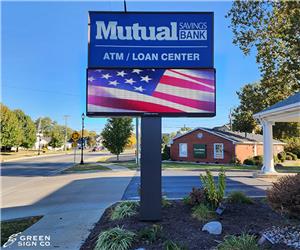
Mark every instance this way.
x=273 y=28
x=116 y=134
x=46 y=125
x=166 y=139
x=57 y=137
x=91 y=138
x=28 y=129
x=243 y=121
x=185 y=129
x=131 y=141
x=252 y=101
x=11 y=133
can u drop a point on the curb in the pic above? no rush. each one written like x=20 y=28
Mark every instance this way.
x=33 y=157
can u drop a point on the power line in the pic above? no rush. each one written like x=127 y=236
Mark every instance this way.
x=39 y=90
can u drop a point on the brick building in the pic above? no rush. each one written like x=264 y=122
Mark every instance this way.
x=218 y=146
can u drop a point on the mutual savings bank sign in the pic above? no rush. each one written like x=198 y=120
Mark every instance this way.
x=163 y=40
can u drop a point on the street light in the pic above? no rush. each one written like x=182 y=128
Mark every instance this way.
x=82 y=118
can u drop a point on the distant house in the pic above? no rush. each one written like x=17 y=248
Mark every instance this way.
x=41 y=142
x=218 y=146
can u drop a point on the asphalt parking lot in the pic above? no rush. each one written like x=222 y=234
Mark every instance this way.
x=179 y=183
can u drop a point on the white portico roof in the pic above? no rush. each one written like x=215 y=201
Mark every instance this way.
x=287 y=110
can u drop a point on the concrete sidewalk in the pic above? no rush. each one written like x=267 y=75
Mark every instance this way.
x=70 y=203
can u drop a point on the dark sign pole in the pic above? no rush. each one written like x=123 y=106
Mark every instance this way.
x=150 y=169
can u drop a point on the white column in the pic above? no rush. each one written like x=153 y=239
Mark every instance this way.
x=268 y=166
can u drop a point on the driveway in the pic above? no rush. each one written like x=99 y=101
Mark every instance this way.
x=70 y=203
x=179 y=183
x=49 y=165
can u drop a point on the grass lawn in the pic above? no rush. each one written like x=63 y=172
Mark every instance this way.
x=291 y=168
x=288 y=169
x=28 y=153
x=206 y=166
x=86 y=167
x=165 y=165
x=128 y=164
x=15 y=226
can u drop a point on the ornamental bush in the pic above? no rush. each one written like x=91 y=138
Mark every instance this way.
x=214 y=193
x=242 y=242
x=249 y=161
x=258 y=160
x=203 y=212
x=281 y=156
x=239 y=197
x=124 y=209
x=196 y=197
x=284 y=196
x=116 y=238
x=294 y=156
x=293 y=145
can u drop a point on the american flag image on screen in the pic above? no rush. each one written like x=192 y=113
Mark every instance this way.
x=151 y=91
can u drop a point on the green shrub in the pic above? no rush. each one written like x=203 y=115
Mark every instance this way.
x=151 y=234
x=284 y=196
x=202 y=212
x=116 y=238
x=249 y=161
x=243 y=242
x=294 y=156
x=165 y=202
x=214 y=194
x=235 y=161
x=166 y=153
x=196 y=197
x=186 y=200
x=124 y=209
x=171 y=245
x=276 y=160
x=292 y=145
x=258 y=160
x=281 y=156
x=239 y=197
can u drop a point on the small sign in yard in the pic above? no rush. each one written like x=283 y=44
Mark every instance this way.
x=74 y=145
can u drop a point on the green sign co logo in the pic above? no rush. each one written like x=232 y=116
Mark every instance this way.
x=11 y=240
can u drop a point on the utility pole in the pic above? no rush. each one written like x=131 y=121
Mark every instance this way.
x=39 y=136
x=66 y=134
x=230 y=119
x=82 y=144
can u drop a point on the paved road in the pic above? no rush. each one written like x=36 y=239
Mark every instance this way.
x=70 y=203
x=179 y=183
x=45 y=166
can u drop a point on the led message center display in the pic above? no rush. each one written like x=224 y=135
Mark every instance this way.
x=160 y=40
x=166 y=92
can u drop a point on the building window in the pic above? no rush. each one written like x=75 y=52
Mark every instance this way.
x=183 y=150
x=218 y=151
x=199 y=151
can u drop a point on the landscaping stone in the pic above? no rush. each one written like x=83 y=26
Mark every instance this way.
x=213 y=227
x=288 y=235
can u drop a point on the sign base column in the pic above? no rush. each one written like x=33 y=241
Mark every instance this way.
x=150 y=205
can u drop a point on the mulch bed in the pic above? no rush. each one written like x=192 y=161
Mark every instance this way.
x=179 y=226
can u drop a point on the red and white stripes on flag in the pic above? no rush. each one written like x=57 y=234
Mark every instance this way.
x=177 y=91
